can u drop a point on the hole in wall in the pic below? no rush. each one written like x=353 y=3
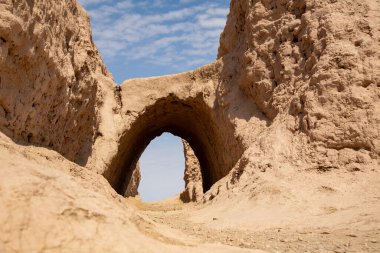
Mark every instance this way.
x=162 y=167
x=214 y=145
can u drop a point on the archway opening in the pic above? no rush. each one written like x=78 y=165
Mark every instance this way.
x=162 y=167
x=213 y=143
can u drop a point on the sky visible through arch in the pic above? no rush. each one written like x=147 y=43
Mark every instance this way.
x=142 y=38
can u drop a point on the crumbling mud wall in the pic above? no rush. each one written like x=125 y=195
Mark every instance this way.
x=312 y=69
x=50 y=75
x=132 y=189
x=193 y=176
x=317 y=61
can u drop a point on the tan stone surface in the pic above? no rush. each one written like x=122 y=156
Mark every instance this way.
x=285 y=125
x=133 y=185
x=51 y=76
x=193 y=176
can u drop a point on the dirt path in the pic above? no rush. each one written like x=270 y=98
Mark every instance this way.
x=176 y=216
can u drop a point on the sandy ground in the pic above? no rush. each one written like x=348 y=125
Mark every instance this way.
x=52 y=205
x=341 y=238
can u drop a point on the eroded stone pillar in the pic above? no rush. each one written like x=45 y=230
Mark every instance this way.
x=133 y=185
x=193 y=176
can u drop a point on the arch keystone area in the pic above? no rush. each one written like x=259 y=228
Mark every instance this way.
x=184 y=105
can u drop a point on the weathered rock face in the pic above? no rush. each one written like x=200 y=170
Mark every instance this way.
x=294 y=94
x=193 y=176
x=50 y=75
x=312 y=68
x=134 y=182
x=315 y=60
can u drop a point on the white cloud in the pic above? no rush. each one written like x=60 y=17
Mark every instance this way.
x=91 y=2
x=119 y=4
x=138 y=31
x=186 y=1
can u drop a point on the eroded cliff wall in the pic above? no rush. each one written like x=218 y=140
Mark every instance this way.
x=50 y=72
x=312 y=70
x=315 y=60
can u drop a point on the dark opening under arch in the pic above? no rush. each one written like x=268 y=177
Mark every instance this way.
x=190 y=119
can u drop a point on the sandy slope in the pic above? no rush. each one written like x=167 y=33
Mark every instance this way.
x=49 y=204
x=275 y=225
x=53 y=205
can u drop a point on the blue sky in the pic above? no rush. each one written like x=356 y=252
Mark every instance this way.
x=162 y=167
x=141 y=38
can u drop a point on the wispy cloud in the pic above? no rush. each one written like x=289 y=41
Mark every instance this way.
x=185 y=32
x=86 y=3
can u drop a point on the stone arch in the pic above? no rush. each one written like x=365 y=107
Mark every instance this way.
x=189 y=118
